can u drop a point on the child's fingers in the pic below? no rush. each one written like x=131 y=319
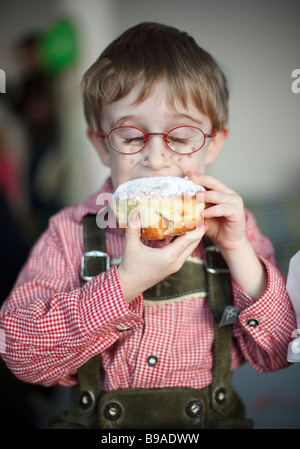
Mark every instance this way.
x=221 y=204
x=215 y=197
x=134 y=220
x=192 y=240
x=196 y=234
x=209 y=182
x=133 y=230
x=181 y=248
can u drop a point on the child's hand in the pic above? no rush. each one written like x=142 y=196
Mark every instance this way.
x=142 y=267
x=224 y=214
x=226 y=226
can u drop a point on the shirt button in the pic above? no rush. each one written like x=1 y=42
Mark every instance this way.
x=152 y=360
x=252 y=322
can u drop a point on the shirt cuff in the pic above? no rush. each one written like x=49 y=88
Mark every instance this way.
x=271 y=310
x=103 y=307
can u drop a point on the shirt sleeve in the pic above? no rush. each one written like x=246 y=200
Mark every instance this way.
x=265 y=326
x=51 y=324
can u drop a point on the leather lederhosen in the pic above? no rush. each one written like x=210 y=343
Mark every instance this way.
x=216 y=406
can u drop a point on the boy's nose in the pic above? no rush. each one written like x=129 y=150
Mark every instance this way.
x=156 y=155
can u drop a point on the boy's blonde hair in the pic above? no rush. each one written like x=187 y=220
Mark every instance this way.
x=148 y=53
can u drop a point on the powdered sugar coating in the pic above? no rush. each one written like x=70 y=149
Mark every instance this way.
x=156 y=186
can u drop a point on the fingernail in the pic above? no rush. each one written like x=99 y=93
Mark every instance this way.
x=134 y=220
x=196 y=233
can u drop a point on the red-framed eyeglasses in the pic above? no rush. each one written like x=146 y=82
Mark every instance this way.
x=182 y=140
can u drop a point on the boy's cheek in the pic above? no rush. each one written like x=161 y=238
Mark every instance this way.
x=192 y=164
x=120 y=173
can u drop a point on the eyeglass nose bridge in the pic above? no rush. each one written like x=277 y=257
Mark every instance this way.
x=164 y=136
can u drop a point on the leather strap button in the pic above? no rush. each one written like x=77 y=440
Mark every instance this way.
x=194 y=408
x=112 y=411
x=220 y=395
x=252 y=322
x=87 y=400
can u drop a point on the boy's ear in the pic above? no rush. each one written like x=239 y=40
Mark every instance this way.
x=215 y=145
x=99 y=145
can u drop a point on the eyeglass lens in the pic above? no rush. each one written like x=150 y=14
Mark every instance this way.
x=181 y=140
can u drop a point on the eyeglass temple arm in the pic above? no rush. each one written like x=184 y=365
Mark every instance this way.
x=213 y=134
x=102 y=135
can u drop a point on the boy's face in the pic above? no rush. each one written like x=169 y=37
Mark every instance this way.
x=154 y=114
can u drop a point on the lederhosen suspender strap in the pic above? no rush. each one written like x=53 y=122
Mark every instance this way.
x=219 y=397
x=220 y=299
x=95 y=259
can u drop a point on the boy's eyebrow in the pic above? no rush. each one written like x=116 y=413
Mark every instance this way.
x=125 y=118
x=121 y=120
x=189 y=117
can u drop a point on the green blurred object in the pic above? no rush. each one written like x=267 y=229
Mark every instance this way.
x=58 y=46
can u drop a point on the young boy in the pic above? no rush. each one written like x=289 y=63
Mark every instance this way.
x=154 y=78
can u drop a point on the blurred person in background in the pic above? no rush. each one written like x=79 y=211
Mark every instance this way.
x=34 y=102
x=15 y=408
x=28 y=153
x=14 y=224
x=31 y=176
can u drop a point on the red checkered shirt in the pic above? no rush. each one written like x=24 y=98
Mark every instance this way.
x=53 y=323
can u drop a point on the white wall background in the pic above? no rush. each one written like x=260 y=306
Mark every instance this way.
x=257 y=45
